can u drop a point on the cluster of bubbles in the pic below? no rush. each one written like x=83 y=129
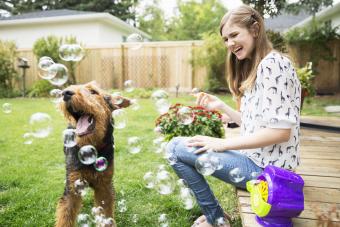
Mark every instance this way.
x=97 y=218
x=208 y=163
x=57 y=73
x=160 y=98
x=88 y=155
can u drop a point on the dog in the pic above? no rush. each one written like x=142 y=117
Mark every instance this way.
x=88 y=110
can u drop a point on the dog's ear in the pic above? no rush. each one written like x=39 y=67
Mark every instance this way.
x=94 y=83
x=112 y=100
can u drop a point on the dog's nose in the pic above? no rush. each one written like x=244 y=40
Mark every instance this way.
x=67 y=95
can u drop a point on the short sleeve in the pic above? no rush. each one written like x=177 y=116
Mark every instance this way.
x=280 y=88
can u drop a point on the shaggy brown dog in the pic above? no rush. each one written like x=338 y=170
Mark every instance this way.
x=88 y=110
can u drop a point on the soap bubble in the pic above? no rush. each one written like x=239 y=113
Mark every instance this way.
x=187 y=198
x=134 y=104
x=162 y=105
x=96 y=211
x=221 y=222
x=80 y=187
x=161 y=148
x=28 y=138
x=41 y=125
x=135 y=144
x=101 y=164
x=71 y=52
x=129 y=85
x=117 y=98
x=164 y=182
x=205 y=165
x=87 y=154
x=255 y=175
x=195 y=91
x=69 y=136
x=57 y=94
x=149 y=179
x=60 y=74
x=7 y=108
x=236 y=175
x=135 y=218
x=163 y=220
x=122 y=205
x=84 y=220
x=159 y=94
x=120 y=119
x=171 y=158
x=185 y=115
x=137 y=39
x=43 y=67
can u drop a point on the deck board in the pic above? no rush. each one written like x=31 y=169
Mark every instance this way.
x=320 y=169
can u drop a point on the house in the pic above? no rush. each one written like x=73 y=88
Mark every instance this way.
x=90 y=28
x=284 y=21
x=330 y=15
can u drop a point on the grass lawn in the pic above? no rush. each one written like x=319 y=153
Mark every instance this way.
x=32 y=176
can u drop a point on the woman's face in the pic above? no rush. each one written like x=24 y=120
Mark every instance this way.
x=239 y=40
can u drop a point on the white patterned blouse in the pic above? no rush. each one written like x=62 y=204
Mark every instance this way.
x=273 y=102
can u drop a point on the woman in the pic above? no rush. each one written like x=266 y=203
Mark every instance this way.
x=267 y=86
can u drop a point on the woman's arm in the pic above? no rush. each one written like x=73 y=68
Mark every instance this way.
x=262 y=138
x=233 y=114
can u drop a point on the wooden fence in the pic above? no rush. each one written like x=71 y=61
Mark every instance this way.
x=155 y=64
x=327 y=80
x=167 y=64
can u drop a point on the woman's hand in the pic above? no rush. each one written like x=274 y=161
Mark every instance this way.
x=208 y=101
x=205 y=143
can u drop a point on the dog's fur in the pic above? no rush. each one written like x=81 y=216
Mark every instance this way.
x=88 y=100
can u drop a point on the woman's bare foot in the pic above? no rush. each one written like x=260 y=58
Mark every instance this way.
x=199 y=220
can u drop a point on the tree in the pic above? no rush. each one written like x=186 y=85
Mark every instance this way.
x=311 y=6
x=273 y=8
x=195 y=19
x=123 y=9
x=267 y=7
x=152 y=21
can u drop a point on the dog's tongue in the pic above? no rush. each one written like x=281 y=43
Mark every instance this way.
x=83 y=125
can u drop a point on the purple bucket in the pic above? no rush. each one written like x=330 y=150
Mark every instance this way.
x=285 y=195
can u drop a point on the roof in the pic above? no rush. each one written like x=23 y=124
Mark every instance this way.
x=284 y=21
x=63 y=15
x=322 y=15
x=46 y=13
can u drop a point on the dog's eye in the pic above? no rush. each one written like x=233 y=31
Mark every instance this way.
x=94 y=92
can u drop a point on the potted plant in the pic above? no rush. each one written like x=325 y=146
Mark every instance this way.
x=306 y=77
x=183 y=120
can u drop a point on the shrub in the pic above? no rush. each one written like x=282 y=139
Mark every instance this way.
x=8 y=74
x=40 y=88
x=212 y=55
x=277 y=40
x=205 y=122
x=306 y=77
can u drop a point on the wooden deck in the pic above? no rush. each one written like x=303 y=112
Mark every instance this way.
x=320 y=169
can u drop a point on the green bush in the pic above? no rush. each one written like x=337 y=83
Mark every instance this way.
x=306 y=77
x=49 y=46
x=8 y=74
x=277 y=40
x=40 y=88
x=212 y=55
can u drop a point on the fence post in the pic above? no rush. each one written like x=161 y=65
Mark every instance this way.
x=192 y=66
x=123 y=67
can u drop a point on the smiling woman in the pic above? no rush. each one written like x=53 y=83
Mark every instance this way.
x=267 y=86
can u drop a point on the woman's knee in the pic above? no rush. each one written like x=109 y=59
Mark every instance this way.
x=173 y=143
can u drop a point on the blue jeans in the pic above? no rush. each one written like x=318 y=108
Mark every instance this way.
x=185 y=169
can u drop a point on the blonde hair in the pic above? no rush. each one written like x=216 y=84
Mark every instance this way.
x=241 y=74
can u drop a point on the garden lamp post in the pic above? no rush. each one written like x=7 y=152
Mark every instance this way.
x=23 y=63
